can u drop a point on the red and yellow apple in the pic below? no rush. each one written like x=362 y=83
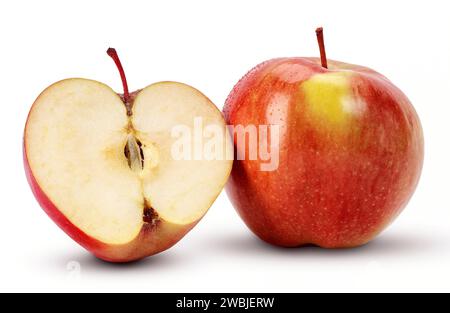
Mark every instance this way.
x=350 y=152
x=100 y=164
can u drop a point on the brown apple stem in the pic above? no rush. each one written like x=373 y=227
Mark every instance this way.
x=321 y=41
x=126 y=94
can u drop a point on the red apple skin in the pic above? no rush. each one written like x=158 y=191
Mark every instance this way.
x=337 y=186
x=151 y=240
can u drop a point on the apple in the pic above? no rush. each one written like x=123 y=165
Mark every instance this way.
x=350 y=152
x=101 y=164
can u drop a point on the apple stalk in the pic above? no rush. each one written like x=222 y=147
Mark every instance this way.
x=126 y=93
x=321 y=41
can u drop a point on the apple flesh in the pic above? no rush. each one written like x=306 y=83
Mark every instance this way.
x=350 y=153
x=103 y=171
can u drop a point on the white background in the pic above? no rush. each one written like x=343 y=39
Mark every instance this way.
x=210 y=45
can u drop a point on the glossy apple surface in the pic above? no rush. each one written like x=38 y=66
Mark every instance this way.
x=351 y=153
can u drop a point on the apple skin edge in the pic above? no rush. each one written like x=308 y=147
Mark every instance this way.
x=340 y=182
x=151 y=240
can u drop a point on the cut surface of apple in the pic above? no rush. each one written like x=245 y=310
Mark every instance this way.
x=111 y=175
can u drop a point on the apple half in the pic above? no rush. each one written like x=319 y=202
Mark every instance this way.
x=100 y=164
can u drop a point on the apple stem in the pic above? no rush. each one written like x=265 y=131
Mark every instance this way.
x=321 y=41
x=126 y=94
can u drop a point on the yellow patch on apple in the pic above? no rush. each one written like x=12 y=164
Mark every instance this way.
x=330 y=99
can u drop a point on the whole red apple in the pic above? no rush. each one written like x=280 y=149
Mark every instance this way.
x=350 y=152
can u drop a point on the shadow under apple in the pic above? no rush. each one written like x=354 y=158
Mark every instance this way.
x=90 y=264
x=386 y=245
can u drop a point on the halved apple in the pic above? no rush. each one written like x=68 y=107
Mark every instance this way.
x=101 y=165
